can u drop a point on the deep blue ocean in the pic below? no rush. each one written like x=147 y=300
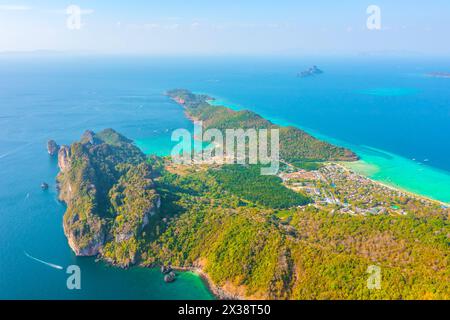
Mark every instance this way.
x=386 y=104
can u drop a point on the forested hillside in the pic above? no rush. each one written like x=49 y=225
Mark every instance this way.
x=295 y=144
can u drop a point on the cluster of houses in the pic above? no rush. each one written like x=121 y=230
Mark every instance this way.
x=349 y=192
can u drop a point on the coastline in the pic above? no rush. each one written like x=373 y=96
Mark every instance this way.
x=402 y=174
x=218 y=292
x=394 y=188
x=409 y=168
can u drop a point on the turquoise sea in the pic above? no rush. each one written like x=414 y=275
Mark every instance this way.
x=384 y=109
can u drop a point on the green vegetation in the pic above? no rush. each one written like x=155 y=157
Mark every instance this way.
x=105 y=182
x=252 y=236
x=295 y=144
x=297 y=253
x=308 y=166
x=248 y=183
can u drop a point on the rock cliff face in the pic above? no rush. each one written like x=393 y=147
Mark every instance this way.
x=88 y=243
x=52 y=147
x=105 y=182
x=151 y=212
x=64 y=158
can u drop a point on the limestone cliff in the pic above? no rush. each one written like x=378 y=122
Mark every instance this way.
x=64 y=158
x=105 y=182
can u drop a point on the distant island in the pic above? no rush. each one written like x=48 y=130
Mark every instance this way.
x=312 y=232
x=314 y=70
x=439 y=74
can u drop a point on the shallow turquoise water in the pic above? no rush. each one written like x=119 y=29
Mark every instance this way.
x=160 y=145
x=412 y=175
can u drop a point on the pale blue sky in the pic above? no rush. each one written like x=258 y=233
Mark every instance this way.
x=227 y=27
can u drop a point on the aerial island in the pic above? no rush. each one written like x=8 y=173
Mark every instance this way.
x=310 y=232
x=312 y=71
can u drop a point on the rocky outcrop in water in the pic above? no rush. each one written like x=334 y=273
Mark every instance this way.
x=314 y=70
x=170 y=277
x=52 y=147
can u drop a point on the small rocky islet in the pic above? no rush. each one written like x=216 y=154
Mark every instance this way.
x=52 y=147
x=312 y=71
x=169 y=274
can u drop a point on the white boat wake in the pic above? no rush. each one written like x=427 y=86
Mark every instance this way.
x=10 y=152
x=43 y=262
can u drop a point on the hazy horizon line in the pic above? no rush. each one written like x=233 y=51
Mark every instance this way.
x=375 y=54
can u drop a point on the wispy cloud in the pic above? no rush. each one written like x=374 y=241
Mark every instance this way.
x=64 y=11
x=87 y=11
x=7 y=7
